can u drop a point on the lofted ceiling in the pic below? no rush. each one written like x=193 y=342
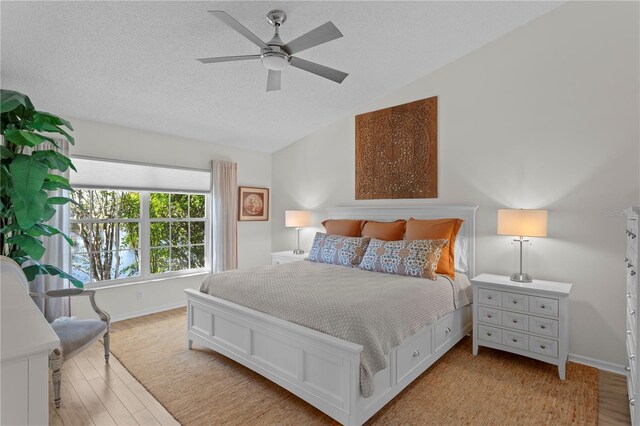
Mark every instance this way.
x=133 y=63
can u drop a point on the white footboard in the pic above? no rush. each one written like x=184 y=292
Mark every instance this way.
x=320 y=369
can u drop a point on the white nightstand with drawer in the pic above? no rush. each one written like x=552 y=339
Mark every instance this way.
x=286 y=257
x=529 y=319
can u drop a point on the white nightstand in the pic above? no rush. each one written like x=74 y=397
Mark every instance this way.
x=286 y=257
x=529 y=319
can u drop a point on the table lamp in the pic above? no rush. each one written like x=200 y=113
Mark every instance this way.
x=522 y=223
x=297 y=219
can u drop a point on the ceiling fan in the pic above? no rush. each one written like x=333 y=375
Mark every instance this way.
x=276 y=55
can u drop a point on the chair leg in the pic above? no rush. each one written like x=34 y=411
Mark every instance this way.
x=55 y=363
x=107 y=340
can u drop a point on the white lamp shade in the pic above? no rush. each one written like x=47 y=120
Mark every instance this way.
x=297 y=218
x=522 y=223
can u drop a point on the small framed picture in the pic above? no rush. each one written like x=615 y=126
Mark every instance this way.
x=253 y=203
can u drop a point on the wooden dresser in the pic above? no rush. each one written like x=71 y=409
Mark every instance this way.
x=27 y=339
x=631 y=263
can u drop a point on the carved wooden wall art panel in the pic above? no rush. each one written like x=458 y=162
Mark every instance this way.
x=397 y=152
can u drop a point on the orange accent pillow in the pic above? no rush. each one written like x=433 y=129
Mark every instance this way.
x=434 y=229
x=386 y=231
x=344 y=227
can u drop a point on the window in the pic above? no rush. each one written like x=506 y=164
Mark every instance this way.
x=177 y=224
x=133 y=236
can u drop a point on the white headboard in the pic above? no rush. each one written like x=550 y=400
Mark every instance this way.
x=466 y=213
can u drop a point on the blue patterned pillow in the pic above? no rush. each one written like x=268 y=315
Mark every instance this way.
x=338 y=249
x=417 y=258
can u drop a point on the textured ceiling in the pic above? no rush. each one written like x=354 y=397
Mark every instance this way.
x=133 y=63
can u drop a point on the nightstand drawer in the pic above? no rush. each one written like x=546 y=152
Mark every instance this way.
x=543 y=346
x=490 y=334
x=489 y=315
x=517 y=302
x=543 y=306
x=545 y=326
x=515 y=320
x=489 y=297
x=515 y=339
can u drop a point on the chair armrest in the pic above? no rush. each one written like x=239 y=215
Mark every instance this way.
x=68 y=292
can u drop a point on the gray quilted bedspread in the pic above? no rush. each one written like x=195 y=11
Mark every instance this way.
x=372 y=309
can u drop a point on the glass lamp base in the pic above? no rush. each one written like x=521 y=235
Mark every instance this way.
x=521 y=278
x=298 y=251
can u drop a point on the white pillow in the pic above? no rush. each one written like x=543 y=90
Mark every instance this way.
x=459 y=251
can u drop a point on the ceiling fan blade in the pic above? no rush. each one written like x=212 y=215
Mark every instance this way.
x=317 y=69
x=227 y=59
x=227 y=19
x=324 y=33
x=273 y=80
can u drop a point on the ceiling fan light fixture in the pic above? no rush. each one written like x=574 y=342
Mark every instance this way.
x=276 y=61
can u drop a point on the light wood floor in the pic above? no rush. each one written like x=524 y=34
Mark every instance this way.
x=94 y=393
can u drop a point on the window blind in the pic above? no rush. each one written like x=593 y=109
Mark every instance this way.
x=114 y=174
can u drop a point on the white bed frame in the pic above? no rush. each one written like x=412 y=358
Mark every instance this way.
x=321 y=369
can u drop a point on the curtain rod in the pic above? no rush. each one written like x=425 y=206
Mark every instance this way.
x=139 y=163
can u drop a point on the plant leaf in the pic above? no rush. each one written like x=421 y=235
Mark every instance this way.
x=47 y=127
x=60 y=200
x=25 y=137
x=54 y=160
x=33 y=271
x=42 y=229
x=10 y=100
x=28 y=198
x=5 y=152
x=47 y=117
x=30 y=245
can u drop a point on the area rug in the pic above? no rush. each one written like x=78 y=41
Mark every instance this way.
x=495 y=388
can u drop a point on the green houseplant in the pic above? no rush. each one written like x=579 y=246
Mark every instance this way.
x=26 y=177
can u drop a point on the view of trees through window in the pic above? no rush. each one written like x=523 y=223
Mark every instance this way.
x=105 y=228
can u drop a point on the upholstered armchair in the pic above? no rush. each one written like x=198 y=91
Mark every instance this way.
x=75 y=335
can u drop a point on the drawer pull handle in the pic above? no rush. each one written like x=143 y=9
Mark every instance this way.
x=515 y=301
x=633 y=312
x=543 y=326
x=543 y=307
x=515 y=340
x=489 y=297
x=629 y=332
x=632 y=357
x=543 y=347
x=632 y=402
x=489 y=334
x=489 y=316
x=632 y=235
x=447 y=330
x=515 y=321
x=416 y=353
x=627 y=368
x=629 y=265
x=629 y=295
x=633 y=273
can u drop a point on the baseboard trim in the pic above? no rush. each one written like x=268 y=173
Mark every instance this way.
x=596 y=363
x=154 y=310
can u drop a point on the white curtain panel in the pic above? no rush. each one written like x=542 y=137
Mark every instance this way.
x=224 y=225
x=57 y=252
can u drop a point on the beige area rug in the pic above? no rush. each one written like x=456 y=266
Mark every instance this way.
x=495 y=388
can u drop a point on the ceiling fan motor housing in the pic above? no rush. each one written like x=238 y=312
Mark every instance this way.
x=275 y=59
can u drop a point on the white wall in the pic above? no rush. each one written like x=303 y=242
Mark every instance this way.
x=108 y=141
x=545 y=117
